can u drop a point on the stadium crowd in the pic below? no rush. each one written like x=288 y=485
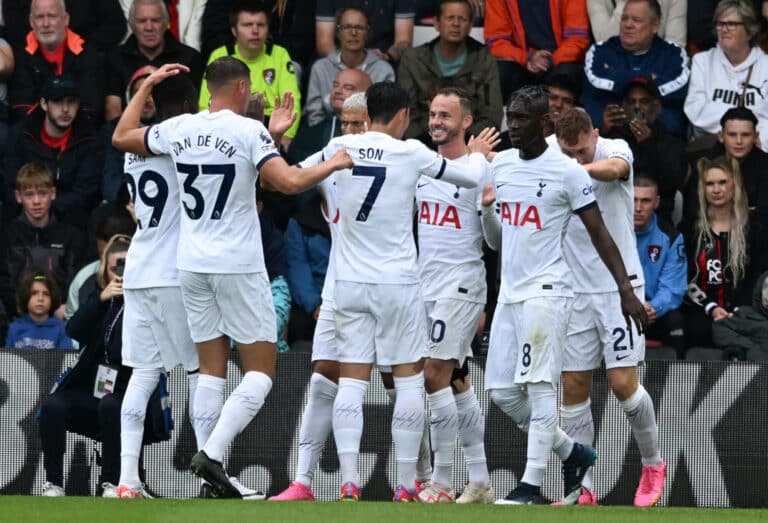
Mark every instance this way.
x=685 y=91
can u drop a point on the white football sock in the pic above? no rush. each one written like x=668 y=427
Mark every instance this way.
x=206 y=408
x=408 y=426
x=315 y=426
x=472 y=432
x=443 y=426
x=541 y=434
x=133 y=411
x=578 y=424
x=238 y=411
x=192 y=378
x=348 y=426
x=514 y=402
x=424 y=465
x=642 y=418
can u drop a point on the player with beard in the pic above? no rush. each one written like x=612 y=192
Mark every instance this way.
x=453 y=286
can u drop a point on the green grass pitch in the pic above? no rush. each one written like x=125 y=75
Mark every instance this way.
x=84 y=509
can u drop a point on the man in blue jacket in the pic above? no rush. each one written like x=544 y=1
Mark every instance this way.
x=662 y=255
x=611 y=65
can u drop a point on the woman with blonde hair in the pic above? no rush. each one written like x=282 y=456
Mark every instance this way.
x=724 y=251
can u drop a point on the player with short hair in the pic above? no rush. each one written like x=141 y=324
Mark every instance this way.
x=219 y=156
x=155 y=334
x=378 y=313
x=538 y=189
x=453 y=285
x=597 y=330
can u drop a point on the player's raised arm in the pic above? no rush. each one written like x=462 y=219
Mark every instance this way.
x=490 y=219
x=277 y=175
x=609 y=253
x=608 y=170
x=128 y=135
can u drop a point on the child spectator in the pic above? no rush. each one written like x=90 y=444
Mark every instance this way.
x=38 y=296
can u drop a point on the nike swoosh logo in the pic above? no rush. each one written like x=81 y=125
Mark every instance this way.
x=523 y=373
x=619 y=358
x=498 y=185
x=419 y=186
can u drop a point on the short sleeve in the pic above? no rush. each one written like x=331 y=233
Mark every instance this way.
x=619 y=149
x=157 y=139
x=578 y=187
x=427 y=161
x=263 y=146
x=485 y=180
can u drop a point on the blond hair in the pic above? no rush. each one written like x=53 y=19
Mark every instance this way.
x=117 y=243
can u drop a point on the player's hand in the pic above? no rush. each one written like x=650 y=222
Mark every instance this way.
x=255 y=107
x=341 y=160
x=633 y=310
x=613 y=116
x=719 y=313
x=165 y=71
x=489 y=195
x=113 y=289
x=485 y=141
x=283 y=116
x=651 y=312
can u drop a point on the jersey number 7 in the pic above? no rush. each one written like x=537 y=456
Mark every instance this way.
x=378 y=174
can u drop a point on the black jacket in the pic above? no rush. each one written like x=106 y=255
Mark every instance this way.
x=32 y=70
x=123 y=61
x=76 y=170
x=58 y=248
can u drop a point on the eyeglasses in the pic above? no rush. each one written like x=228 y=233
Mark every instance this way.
x=729 y=25
x=350 y=27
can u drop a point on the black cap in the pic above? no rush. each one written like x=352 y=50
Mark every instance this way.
x=644 y=82
x=57 y=87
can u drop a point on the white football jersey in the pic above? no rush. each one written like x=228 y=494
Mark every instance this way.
x=616 y=200
x=217 y=158
x=151 y=258
x=375 y=242
x=451 y=239
x=327 y=188
x=536 y=199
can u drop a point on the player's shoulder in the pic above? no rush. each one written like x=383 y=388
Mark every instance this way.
x=613 y=147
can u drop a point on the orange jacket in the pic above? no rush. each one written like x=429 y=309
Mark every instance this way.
x=505 y=35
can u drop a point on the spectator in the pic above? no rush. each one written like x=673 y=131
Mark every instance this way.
x=150 y=44
x=271 y=68
x=662 y=255
x=738 y=140
x=734 y=73
x=352 y=28
x=605 y=18
x=391 y=32
x=725 y=250
x=532 y=40
x=185 y=20
x=6 y=69
x=308 y=243
x=277 y=268
x=37 y=240
x=100 y=22
x=745 y=334
x=112 y=222
x=657 y=153
x=57 y=134
x=311 y=138
x=88 y=396
x=52 y=49
x=563 y=93
x=38 y=296
x=453 y=58
x=637 y=51
x=291 y=25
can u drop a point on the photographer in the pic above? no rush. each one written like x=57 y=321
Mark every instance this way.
x=656 y=151
x=87 y=397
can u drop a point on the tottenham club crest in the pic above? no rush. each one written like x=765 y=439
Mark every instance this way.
x=269 y=76
x=654 y=252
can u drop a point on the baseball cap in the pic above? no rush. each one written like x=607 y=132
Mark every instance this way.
x=644 y=82
x=57 y=87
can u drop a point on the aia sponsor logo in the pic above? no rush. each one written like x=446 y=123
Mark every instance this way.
x=520 y=215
